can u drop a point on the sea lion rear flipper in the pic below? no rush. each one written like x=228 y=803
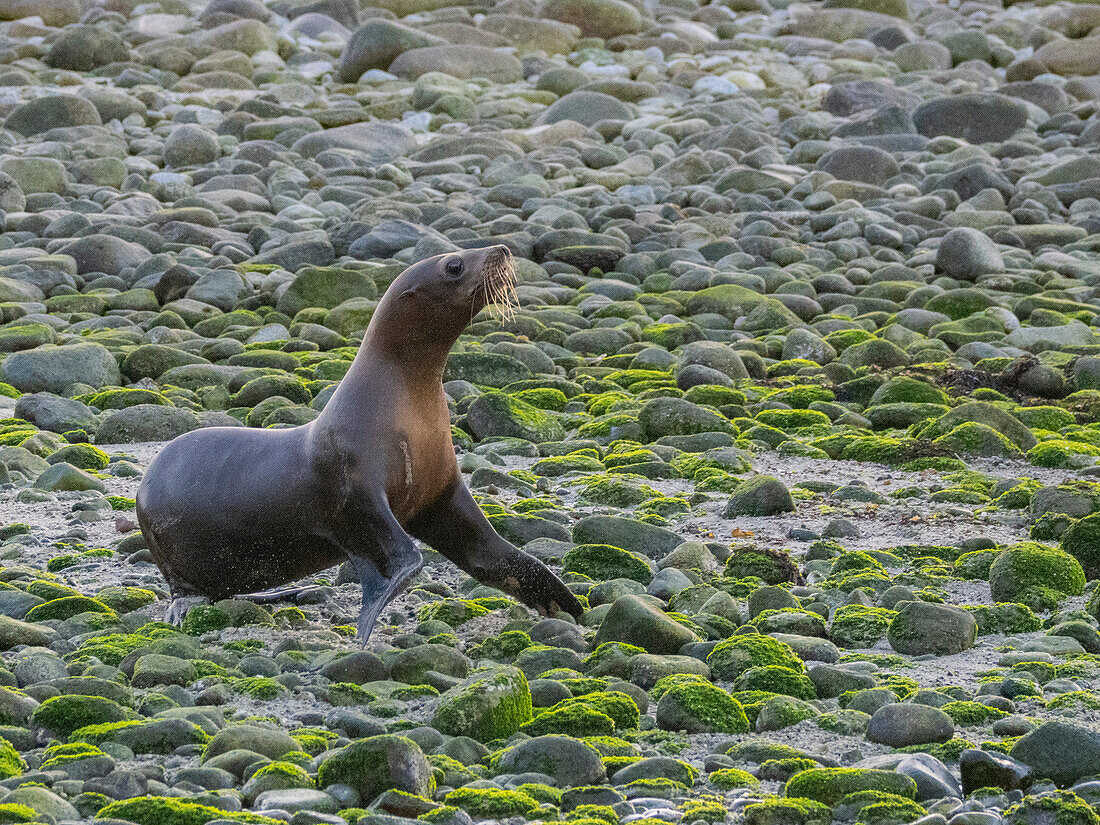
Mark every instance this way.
x=177 y=609
x=383 y=558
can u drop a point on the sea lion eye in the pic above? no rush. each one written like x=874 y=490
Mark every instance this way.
x=454 y=268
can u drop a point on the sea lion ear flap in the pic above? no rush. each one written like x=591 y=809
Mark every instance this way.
x=411 y=292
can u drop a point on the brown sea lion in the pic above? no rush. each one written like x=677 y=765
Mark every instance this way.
x=231 y=510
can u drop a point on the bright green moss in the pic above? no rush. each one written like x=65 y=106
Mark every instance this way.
x=973 y=438
x=543 y=398
x=204 y=618
x=602 y=562
x=126 y=599
x=619 y=491
x=1028 y=564
x=715 y=395
x=732 y=657
x=856 y=560
x=65 y=714
x=778 y=679
x=729 y=778
x=561 y=465
x=830 y=785
x=117 y=398
x=1059 y=807
x=61 y=754
x=572 y=720
x=164 y=810
x=66 y=608
x=492 y=803
x=1075 y=700
x=293 y=775
x=11 y=763
x=967 y=714
x=615 y=704
x=855 y=625
x=710 y=705
x=84 y=456
x=705 y=809
x=1061 y=454
x=789 y=811
x=603 y=813
x=789 y=420
x=453 y=612
x=1082 y=541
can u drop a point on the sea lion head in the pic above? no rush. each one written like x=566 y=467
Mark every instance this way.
x=446 y=291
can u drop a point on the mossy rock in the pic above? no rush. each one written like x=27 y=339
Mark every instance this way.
x=117 y=398
x=499 y=414
x=1082 y=541
x=163 y=810
x=378 y=763
x=830 y=785
x=65 y=714
x=857 y=625
x=974 y=439
x=602 y=562
x=577 y=720
x=700 y=707
x=492 y=803
x=907 y=390
x=982 y=413
x=84 y=456
x=778 y=679
x=789 y=811
x=67 y=607
x=486 y=706
x=1062 y=454
x=734 y=656
x=1029 y=565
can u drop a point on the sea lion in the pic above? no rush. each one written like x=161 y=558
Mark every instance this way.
x=231 y=510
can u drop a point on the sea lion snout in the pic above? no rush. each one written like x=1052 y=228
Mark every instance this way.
x=497 y=285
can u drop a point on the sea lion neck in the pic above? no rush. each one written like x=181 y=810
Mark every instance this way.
x=404 y=337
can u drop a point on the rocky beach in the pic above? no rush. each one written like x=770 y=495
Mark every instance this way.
x=799 y=393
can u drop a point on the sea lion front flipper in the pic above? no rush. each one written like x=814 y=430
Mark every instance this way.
x=456 y=527
x=177 y=609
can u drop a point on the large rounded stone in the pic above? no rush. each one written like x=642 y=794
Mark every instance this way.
x=52 y=112
x=902 y=724
x=487 y=706
x=55 y=369
x=190 y=145
x=376 y=764
x=925 y=627
x=587 y=108
x=458 y=61
x=638 y=621
x=569 y=761
x=595 y=18
x=867 y=164
x=145 y=422
x=977 y=118
x=376 y=44
x=966 y=253
x=84 y=48
x=270 y=742
x=1062 y=752
x=105 y=253
x=53 y=12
